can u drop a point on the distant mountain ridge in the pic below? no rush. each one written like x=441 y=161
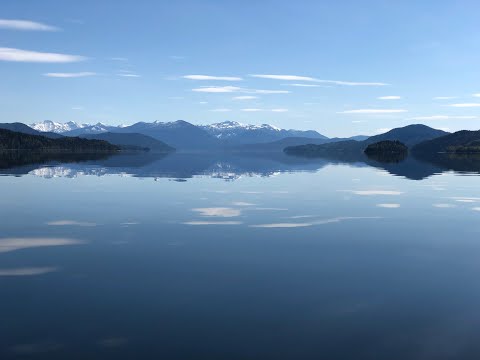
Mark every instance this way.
x=409 y=135
x=132 y=139
x=184 y=135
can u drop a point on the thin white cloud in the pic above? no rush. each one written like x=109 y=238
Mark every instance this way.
x=218 y=89
x=389 y=97
x=209 y=77
x=284 y=77
x=476 y=95
x=281 y=225
x=312 y=79
x=70 y=75
x=279 y=110
x=304 y=85
x=25 y=25
x=465 y=105
x=443 y=117
x=18 y=55
x=269 y=91
x=252 y=110
x=312 y=223
x=129 y=75
x=445 y=97
x=245 y=97
x=373 y=111
x=242 y=203
x=27 y=271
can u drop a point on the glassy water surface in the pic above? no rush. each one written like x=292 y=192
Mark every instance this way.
x=208 y=257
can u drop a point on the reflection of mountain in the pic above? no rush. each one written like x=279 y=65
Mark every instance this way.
x=224 y=165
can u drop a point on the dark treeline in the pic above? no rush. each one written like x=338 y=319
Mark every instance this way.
x=10 y=140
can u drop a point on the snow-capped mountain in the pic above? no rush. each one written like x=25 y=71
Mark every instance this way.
x=237 y=133
x=56 y=127
x=72 y=128
x=184 y=135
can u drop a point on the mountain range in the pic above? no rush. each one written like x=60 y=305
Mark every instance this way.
x=185 y=136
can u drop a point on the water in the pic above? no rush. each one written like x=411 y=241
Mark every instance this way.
x=252 y=257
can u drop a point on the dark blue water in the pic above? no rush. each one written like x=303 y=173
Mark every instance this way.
x=238 y=260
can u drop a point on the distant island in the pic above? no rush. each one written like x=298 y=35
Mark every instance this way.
x=387 y=151
x=16 y=141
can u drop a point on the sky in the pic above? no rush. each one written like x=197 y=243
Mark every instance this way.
x=342 y=68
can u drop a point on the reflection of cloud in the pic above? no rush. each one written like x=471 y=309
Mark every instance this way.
x=282 y=225
x=113 y=342
x=269 y=209
x=35 y=348
x=312 y=223
x=212 y=223
x=444 y=206
x=70 y=223
x=476 y=209
x=374 y=192
x=12 y=244
x=27 y=271
x=242 y=203
x=389 y=206
x=218 y=211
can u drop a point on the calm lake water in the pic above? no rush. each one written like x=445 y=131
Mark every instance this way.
x=208 y=257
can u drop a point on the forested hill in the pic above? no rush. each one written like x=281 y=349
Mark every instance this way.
x=11 y=140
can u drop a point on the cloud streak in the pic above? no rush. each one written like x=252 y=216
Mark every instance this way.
x=18 y=55
x=465 y=105
x=312 y=79
x=70 y=75
x=373 y=111
x=390 y=97
x=209 y=77
x=25 y=25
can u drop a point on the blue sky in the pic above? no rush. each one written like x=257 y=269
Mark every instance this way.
x=339 y=67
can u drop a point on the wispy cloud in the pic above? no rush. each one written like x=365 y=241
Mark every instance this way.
x=443 y=117
x=269 y=91
x=252 y=110
x=465 y=105
x=25 y=25
x=389 y=97
x=304 y=85
x=312 y=79
x=280 y=110
x=233 y=89
x=218 y=89
x=18 y=55
x=70 y=75
x=129 y=75
x=210 y=77
x=373 y=111
x=245 y=97
x=476 y=95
